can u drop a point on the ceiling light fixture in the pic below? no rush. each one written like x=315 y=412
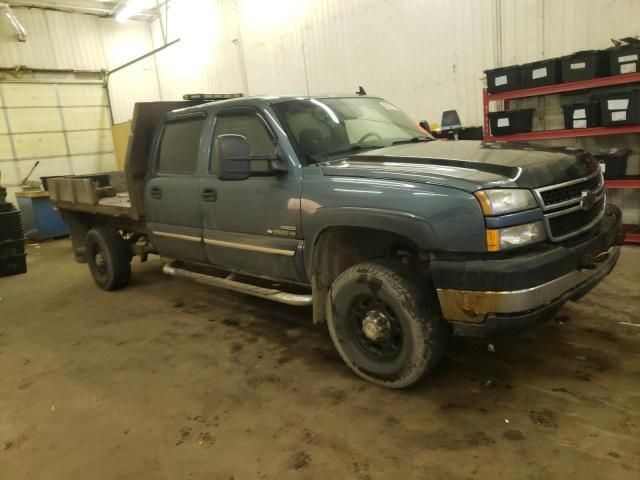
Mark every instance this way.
x=133 y=8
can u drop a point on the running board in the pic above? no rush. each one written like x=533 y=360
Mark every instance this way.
x=229 y=284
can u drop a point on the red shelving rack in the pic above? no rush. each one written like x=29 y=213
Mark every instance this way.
x=629 y=236
x=487 y=98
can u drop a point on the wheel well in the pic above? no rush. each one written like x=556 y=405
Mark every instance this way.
x=338 y=248
x=80 y=223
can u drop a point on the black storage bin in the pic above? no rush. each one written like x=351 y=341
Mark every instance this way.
x=538 y=74
x=504 y=79
x=13 y=265
x=11 y=226
x=624 y=59
x=511 y=121
x=3 y=194
x=582 y=114
x=470 y=133
x=585 y=65
x=620 y=108
x=613 y=163
x=10 y=248
x=12 y=255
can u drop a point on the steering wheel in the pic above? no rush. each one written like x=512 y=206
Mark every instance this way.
x=369 y=134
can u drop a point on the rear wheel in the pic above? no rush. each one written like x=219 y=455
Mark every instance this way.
x=109 y=258
x=386 y=326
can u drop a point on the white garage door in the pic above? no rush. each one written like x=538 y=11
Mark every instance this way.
x=66 y=126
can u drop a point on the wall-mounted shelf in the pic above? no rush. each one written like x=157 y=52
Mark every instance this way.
x=571 y=133
x=487 y=98
x=566 y=87
x=623 y=183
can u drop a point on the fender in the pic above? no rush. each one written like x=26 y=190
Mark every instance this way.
x=415 y=228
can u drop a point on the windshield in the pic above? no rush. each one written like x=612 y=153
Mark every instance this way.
x=329 y=128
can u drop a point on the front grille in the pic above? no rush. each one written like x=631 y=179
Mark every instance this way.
x=567 y=209
x=570 y=192
x=569 y=223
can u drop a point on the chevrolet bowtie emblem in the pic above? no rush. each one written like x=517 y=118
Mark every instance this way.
x=587 y=200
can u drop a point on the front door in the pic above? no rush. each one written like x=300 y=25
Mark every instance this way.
x=172 y=194
x=253 y=225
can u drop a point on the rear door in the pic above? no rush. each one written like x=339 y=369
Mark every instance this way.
x=172 y=194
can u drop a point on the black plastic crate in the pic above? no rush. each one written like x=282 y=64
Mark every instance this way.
x=582 y=114
x=13 y=265
x=585 y=65
x=613 y=162
x=11 y=227
x=624 y=59
x=470 y=133
x=620 y=108
x=511 y=121
x=504 y=79
x=538 y=74
x=10 y=248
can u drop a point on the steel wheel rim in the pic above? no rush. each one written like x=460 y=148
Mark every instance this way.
x=369 y=316
x=100 y=261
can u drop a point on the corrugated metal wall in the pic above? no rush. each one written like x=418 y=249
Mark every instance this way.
x=55 y=40
x=58 y=40
x=426 y=56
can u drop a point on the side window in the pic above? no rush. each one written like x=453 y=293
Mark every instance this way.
x=249 y=126
x=179 y=146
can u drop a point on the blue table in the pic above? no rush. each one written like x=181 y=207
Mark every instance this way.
x=41 y=220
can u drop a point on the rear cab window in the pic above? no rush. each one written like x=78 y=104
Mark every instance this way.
x=180 y=145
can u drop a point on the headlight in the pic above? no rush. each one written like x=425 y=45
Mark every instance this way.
x=511 y=237
x=505 y=200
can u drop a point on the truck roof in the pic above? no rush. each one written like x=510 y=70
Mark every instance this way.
x=261 y=100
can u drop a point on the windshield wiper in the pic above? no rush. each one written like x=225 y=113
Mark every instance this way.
x=412 y=140
x=351 y=149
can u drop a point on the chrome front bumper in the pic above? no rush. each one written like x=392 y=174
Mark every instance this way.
x=474 y=306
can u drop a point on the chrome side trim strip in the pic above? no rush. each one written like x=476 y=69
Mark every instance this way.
x=250 y=248
x=177 y=236
x=473 y=306
x=228 y=283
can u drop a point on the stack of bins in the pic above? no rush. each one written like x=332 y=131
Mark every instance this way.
x=12 y=255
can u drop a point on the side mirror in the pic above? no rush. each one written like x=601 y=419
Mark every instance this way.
x=233 y=152
x=235 y=159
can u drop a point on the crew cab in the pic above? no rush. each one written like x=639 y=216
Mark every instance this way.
x=344 y=203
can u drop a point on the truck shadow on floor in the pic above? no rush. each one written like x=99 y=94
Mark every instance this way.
x=568 y=348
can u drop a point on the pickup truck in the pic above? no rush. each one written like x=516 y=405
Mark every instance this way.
x=345 y=204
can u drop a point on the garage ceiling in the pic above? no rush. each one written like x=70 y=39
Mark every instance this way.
x=95 y=7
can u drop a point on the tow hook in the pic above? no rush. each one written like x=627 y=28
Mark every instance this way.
x=589 y=261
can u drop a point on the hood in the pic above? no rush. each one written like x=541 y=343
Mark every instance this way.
x=468 y=165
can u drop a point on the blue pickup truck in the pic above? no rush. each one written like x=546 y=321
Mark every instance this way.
x=345 y=204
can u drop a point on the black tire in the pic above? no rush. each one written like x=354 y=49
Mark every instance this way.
x=109 y=258
x=414 y=335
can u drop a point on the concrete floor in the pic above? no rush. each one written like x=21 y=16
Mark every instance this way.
x=172 y=380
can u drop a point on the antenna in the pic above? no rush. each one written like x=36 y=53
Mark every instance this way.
x=304 y=62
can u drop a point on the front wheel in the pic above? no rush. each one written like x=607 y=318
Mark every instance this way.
x=384 y=324
x=109 y=258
